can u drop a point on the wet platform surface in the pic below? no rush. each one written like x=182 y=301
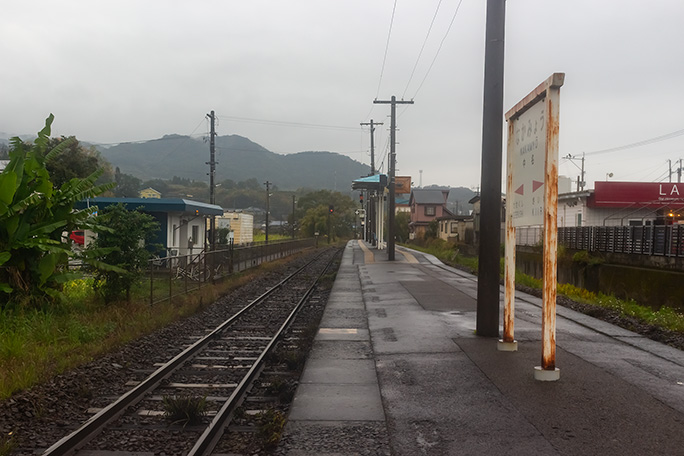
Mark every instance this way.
x=396 y=368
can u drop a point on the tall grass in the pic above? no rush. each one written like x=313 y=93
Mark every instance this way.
x=36 y=344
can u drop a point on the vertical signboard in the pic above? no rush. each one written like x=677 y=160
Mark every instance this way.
x=532 y=199
x=527 y=160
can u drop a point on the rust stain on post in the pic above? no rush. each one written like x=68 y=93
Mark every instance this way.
x=509 y=262
x=550 y=233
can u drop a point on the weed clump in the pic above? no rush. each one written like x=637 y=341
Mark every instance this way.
x=184 y=409
x=271 y=423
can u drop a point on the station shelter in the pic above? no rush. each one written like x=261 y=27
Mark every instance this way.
x=374 y=193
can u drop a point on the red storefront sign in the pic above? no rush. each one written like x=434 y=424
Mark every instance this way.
x=638 y=194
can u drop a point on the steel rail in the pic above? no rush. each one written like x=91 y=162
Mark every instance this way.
x=72 y=442
x=213 y=433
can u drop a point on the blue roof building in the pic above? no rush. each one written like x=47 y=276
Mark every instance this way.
x=182 y=222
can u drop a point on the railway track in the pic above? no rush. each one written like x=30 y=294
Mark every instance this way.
x=210 y=375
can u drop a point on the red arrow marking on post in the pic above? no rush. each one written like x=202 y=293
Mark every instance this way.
x=520 y=191
x=536 y=185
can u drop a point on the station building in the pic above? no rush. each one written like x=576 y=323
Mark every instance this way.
x=623 y=204
x=614 y=203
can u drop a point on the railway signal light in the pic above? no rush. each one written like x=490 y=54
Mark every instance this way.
x=361 y=198
x=331 y=209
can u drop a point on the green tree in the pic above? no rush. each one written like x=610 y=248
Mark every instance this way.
x=127 y=186
x=312 y=210
x=33 y=217
x=249 y=184
x=228 y=184
x=74 y=160
x=4 y=152
x=401 y=226
x=125 y=236
x=432 y=231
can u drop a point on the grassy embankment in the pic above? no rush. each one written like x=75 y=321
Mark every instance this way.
x=36 y=344
x=665 y=317
x=261 y=237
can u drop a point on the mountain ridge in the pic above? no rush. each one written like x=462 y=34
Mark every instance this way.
x=238 y=158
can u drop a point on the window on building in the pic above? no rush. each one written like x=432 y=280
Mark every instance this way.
x=429 y=210
x=579 y=219
x=454 y=228
x=173 y=235
x=195 y=234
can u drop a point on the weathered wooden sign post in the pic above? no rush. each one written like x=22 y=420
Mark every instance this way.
x=532 y=199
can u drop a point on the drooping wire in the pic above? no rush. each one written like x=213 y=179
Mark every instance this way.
x=421 y=49
x=283 y=123
x=644 y=142
x=458 y=7
x=384 y=59
x=140 y=141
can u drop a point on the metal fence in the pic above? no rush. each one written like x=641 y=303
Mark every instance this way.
x=657 y=240
x=173 y=276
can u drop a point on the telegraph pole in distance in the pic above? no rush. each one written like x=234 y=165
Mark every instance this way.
x=212 y=174
x=293 y=216
x=490 y=203
x=393 y=155
x=369 y=218
x=372 y=142
x=268 y=205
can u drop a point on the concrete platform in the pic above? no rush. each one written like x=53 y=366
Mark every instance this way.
x=396 y=368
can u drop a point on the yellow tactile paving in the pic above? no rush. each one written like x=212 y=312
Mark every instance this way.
x=409 y=257
x=367 y=254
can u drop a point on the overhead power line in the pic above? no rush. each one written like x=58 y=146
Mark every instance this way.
x=422 y=48
x=140 y=141
x=644 y=142
x=458 y=7
x=282 y=123
x=384 y=59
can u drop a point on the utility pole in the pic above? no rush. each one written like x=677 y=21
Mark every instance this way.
x=372 y=142
x=293 y=217
x=268 y=205
x=393 y=156
x=490 y=203
x=669 y=161
x=679 y=171
x=580 y=179
x=212 y=174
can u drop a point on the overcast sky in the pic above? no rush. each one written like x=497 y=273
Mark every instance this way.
x=301 y=75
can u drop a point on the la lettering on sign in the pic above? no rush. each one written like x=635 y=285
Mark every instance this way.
x=673 y=191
